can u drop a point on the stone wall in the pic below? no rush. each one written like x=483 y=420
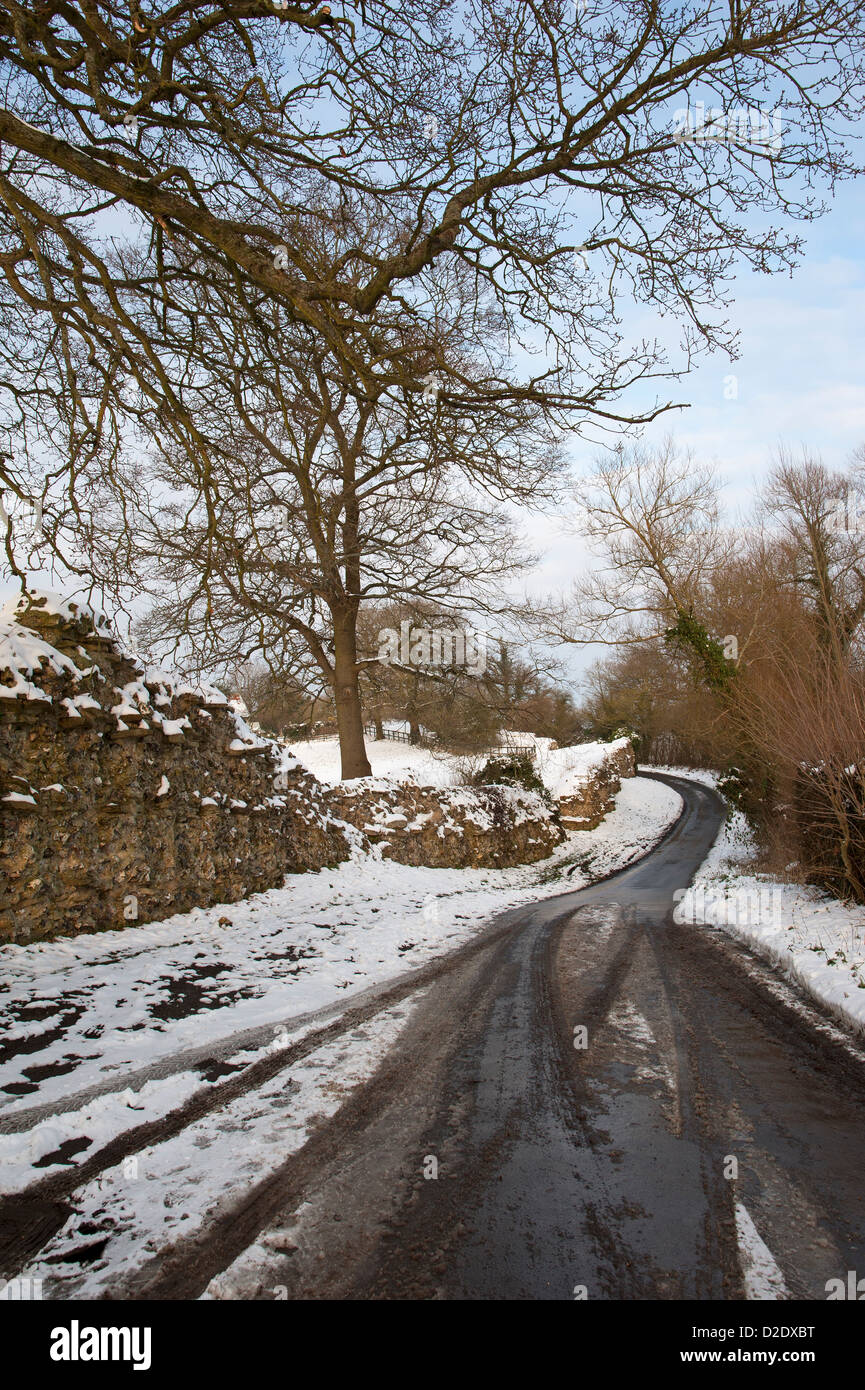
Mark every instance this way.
x=589 y=793
x=125 y=796
x=454 y=827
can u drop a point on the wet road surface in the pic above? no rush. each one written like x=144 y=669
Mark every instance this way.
x=593 y=1103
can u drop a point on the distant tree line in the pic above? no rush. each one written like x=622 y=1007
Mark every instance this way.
x=739 y=647
x=457 y=709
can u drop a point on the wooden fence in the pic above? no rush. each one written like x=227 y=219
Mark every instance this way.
x=499 y=750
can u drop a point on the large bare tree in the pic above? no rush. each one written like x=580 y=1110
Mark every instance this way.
x=307 y=489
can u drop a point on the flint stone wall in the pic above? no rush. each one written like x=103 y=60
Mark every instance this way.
x=125 y=797
x=456 y=827
x=586 y=802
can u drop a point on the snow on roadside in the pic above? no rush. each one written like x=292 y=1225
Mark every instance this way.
x=812 y=938
x=704 y=775
x=761 y=1275
x=645 y=810
x=170 y=1190
x=78 y=1011
x=25 y=1156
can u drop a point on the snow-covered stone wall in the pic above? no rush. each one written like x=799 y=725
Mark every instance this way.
x=126 y=796
x=450 y=827
x=584 y=779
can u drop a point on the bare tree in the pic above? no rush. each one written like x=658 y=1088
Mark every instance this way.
x=274 y=699
x=377 y=193
x=306 y=493
x=652 y=517
x=741 y=648
x=819 y=513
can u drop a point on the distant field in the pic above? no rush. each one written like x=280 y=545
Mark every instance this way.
x=399 y=761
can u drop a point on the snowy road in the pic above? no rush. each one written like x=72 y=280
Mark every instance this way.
x=705 y=1143
x=584 y=1100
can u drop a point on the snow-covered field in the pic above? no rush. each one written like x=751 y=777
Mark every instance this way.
x=561 y=769
x=814 y=939
x=87 y=1012
x=397 y=761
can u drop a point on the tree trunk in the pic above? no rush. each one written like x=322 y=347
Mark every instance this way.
x=346 y=694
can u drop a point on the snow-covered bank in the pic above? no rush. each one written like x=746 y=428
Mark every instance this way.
x=568 y=771
x=562 y=769
x=80 y=1011
x=812 y=938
